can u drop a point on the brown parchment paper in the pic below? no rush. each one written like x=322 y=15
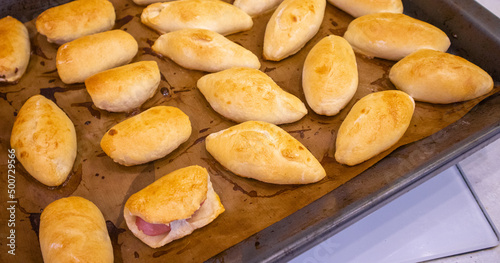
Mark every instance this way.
x=250 y=205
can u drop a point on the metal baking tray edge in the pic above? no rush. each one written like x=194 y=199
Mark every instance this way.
x=475 y=35
x=27 y=10
x=314 y=223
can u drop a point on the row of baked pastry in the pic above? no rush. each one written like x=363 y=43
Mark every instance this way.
x=356 y=8
x=60 y=25
x=66 y=25
x=50 y=156
x=172 y=207
x=117 y=89
x=255 y=149
x=251 y=7
x=386 y=34
x=330 y=73
x=43 y=135
x=45 y=138
x=291 y=26
x=425 y=72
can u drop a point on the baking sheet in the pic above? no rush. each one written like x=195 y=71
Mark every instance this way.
x=251 y=206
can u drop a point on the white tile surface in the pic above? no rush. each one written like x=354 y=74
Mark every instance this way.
x=483 y=172
x=492 y=5
x=438 y=218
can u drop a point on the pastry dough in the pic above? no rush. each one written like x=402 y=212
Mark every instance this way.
x=67 y=22
x=205 y=50
x=438 y=77
x=374 y=124
x=14 y=49
x=265 y=152
x=88 y=55
x=291 y=26
x=73 y=229
x=124 y=88
x=393 y=36
x=148 y=136
x=214 y=15
x=256 y=7
x=44 y=139
x=147 y=2
x=357 y=8
x=330 y=75
x=184 y=199
x=243 y=94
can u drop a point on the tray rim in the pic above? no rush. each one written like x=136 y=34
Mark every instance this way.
x=355 y=211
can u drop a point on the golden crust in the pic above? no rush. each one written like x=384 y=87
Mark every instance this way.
x=357 y=8
x=124 y=88
x=438 y=77
x=14 y=49
x=174 y=196
x=330 y=75
x=147 y=2
x=393 y=36
x=265 y=152
x=374 y=124
x=256 y=7
x=205 y=50
x=73 y=229
x=209 y=211
x=291 y=26
x=45 y=140
x=214 y=15
x=88 y=55
x=160 y=130
x=75 y=19
x=243 y=94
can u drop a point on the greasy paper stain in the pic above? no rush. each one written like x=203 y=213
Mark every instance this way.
x=122 y=21
x=49 y=93
x=114 y=232
x=90 y=107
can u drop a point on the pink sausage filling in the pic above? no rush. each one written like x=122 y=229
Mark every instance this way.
x=151 y=229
